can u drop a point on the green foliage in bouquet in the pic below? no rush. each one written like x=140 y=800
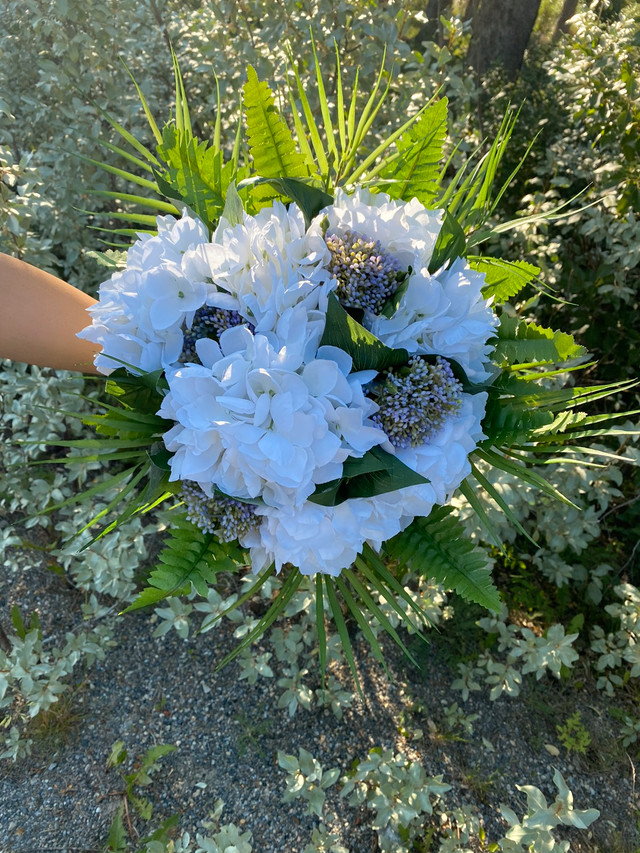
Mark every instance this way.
x=531 y=416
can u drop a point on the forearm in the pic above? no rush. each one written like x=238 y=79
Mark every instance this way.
x=40 y=316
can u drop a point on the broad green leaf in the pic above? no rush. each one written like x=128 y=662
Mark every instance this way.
x=376 y=473
x=192 y=173
x=311 y=199
x=233 y=210
x=367 y=351
x=450 y=244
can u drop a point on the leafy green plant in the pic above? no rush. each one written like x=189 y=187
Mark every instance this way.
x=306 y=779
x=573 y=734
x=139 y=777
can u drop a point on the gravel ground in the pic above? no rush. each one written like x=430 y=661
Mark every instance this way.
x=150 y=691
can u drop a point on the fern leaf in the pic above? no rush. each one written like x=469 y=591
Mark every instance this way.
x=506 y=422
x=189 y=557
x=522 y=342
x=503 y=279
x=270 y=141
x=438 y=547
x=415 y=172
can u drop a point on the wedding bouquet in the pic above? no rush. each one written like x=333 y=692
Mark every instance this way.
x=308 y=354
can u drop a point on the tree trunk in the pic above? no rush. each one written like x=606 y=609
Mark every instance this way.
x=431 y=30
x=568 y=11
x=500 y=32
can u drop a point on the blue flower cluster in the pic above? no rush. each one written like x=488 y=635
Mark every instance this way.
x=208 y=322
x=416 y=400
x=367 y=275
x=227 y=518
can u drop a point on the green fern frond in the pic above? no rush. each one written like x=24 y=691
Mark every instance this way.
x=270 y=141
x=438 y=547
x=415 y=169
x=503 y=279
x=189 y=557
x=522 y=342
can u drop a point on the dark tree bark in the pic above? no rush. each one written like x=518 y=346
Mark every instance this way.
x=569 y=8
x=500 y=32
x=431 y=30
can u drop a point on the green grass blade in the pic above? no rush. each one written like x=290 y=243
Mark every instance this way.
x=381 y=148
x=523 y=473
x=320 y=627
x=497 y=497
x=143 y=201
x=286 y=593
x=362 y=592
x=324 y=107
x=314 y=133
x=120 y=173
x=130 y=139
x=342 y=631
x=478 y=508
x=342 y=131
x=253 y=589
x=390 y=595
x=364 y=626
x=145 y=106
x=142 y=218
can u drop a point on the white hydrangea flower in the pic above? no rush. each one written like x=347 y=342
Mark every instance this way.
x=141 y=310
x=443 y=314
x=257 y=423
x=328 y=539
x=316 y=538
x=265 y=266
x=406 y=230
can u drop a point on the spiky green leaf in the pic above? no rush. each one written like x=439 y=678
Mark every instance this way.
x=503 y=279
x=522 y=342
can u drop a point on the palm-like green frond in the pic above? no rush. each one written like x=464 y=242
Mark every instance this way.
x=277 y=607
x=470 y=197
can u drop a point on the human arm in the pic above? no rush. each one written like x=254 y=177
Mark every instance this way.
x=40 y=316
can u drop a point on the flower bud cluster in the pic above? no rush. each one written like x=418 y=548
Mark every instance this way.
x=416 y=400
x=227 y=518
x=367 y=275
x=208 y=322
